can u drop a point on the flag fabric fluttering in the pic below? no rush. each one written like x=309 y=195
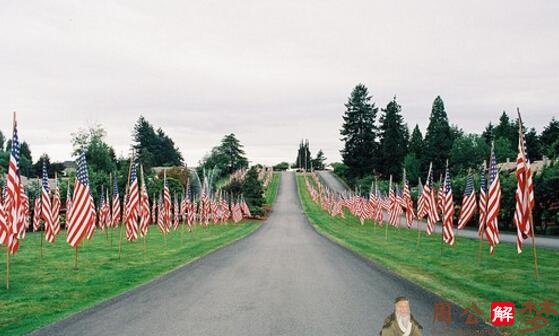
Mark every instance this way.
x=13 y=202
x=55 y=204
x=68 y=205
x=431 y=203
x=524 y=196
x=83 y=209
x=493 y=204
x=132 y=206
x=448 y=209
x=144 y=207
x=46 y=209
x=37 y=213
x=166 y=203
x=410 y=215
x=469 y=203
x=116 y=211
x=482 y=202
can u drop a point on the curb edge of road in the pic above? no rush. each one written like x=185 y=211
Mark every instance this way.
x=376 y=266
x=53 y=327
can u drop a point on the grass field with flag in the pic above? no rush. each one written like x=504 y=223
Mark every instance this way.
x=46 y=289
x=456 y=275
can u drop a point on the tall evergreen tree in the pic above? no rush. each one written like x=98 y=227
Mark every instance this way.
x=232 y=152
x=550 y=139
x=415 y=145
x=438 y=138
x=390 y=158
x=153 y=147
x=359 y=133
x=318 y=162
x=488 y=133
x=304 y=158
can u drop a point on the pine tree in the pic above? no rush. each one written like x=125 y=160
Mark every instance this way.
x=550 y=139
x=252 y=190
x=232 y=153
x=318 y=162
x=438 y=138
x=415 y=145
x=359 y=132
x=390 y=158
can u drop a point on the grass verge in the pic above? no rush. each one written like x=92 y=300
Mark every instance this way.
x=46 y=289
x=272 y=189
x=455 y=275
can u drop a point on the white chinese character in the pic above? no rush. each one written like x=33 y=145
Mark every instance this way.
x=502 y=313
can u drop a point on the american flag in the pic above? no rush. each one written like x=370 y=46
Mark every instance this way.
x=482 y=201
x=166 y=203
x=421 y=200
x=132 y=206
x=493 y=204
x=144 y=207
x=68 y=204
x=101 y=211
x=524 y=196
x=154 y=209
x=244 y=208
x=37 y=212
x=395 y=208
x=46 y=210
x=55 y=212
x=448 y=209
x=431 y=203
x=237 y=212
x=82 y=216
x=215 y=210
x=225 y=213
x=160 y=223
x=115 y=213
x=410 y=215
x=184 y=205
x=176 y=213
x=107 y=210
x=3 y=225
x=469 y=203
x=12 y=201
x=191 y=216
x=25 y=212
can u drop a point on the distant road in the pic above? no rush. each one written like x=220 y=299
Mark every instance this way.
x=546 y=242
x=284 y=279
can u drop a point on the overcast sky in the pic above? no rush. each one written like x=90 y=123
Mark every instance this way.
x=270 y=72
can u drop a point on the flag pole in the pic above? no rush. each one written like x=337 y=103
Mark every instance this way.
x=143 y=184
x=7 y=267
x=76 y=258
x=41 y=243
x=124 y=206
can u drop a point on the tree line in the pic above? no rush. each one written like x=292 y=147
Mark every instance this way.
x=379 y=144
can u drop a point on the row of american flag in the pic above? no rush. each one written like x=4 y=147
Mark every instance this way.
x=436 y=204
x=84 y=216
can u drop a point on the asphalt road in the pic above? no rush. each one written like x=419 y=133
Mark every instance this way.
x=284 y=279
x=545 y=242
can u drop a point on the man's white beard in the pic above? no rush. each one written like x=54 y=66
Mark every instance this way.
x=404 y=322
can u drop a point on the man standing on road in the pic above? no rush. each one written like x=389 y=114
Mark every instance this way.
x=401 y=321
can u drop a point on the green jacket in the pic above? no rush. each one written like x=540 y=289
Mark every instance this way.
x=391 y=328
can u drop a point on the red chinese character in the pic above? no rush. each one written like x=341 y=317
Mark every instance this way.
x=443 y=312
x=472 y=319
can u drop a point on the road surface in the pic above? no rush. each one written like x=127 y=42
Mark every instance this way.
x=505 y=237
x=284 y=279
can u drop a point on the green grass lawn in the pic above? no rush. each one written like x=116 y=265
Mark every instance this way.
x=456 y=276
x=44 y=290
x=272 y=189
